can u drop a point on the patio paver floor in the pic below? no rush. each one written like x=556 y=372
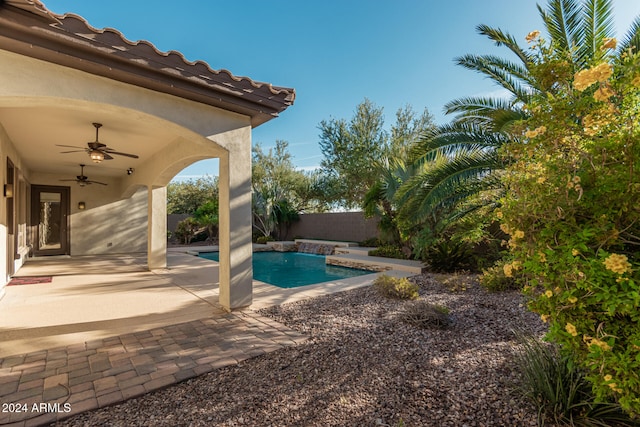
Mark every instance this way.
x=44 y=386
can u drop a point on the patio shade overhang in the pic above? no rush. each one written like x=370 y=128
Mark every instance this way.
x=28 y=28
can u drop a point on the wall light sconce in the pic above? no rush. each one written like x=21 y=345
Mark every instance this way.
x=82 y=206
x=130 y=171
x=8 y=190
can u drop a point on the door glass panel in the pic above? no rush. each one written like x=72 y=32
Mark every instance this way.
x=50 y=221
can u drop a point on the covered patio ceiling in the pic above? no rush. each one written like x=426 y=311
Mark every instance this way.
x=37 y=132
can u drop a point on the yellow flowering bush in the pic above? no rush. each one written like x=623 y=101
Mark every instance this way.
x=571 y=329
x=585 y=78
x=572 y=209
x=537 y=131
x=603 y=93
x=532 y=36
x=609 y=43
x=617 y=263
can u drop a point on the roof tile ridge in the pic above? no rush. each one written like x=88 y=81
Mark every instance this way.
x=258 y=85
x=39 y=7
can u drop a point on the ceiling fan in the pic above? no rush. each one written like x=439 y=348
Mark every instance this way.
x=97 y=150
x=83 y=180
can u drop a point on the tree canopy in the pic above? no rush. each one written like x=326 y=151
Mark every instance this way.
x=353 y=149
x=280 y=191
x=185 y=197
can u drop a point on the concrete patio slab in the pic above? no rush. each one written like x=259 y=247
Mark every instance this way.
x=96 y=297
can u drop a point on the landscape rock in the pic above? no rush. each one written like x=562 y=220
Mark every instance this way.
x=361 y=366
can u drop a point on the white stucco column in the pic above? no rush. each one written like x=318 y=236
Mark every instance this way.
x=157 y=227
x=236 y=271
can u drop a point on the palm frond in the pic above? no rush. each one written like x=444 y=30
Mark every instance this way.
x=488 y=199
x=393 y=176
x=458 y=204
x=597 y=25
x=502 y=120
x=474 y=103
x=445 y=185
x=519 y=71
x=510 y=76
x=504 y=39
x=371 y=200
x=490 y=113
x=450 y=139
x=562 y=19
x=631 y=39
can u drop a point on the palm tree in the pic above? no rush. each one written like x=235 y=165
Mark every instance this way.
x=392 y=170
x=379 y=200
x=464 y=154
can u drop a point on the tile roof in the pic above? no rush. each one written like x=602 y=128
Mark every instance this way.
x=71 y=41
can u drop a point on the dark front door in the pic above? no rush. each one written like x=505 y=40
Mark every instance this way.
x=50 y=215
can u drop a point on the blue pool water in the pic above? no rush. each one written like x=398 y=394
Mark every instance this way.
x=293 y=269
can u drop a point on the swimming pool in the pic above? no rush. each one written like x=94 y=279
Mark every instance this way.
x=293 y=269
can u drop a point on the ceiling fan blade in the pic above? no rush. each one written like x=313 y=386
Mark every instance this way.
x=95 y=145
x=95 y=182
x=106 y=156
x=70 y=146
x=72 y=151
x=110 y=151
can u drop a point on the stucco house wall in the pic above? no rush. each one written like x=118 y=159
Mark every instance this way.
x=14 y=250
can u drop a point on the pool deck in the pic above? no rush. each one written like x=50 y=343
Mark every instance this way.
x=105 y=329
x=358 y=257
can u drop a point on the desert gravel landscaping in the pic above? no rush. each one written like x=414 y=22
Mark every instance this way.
x=361 y=366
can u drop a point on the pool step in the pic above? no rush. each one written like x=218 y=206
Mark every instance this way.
x=374 y=263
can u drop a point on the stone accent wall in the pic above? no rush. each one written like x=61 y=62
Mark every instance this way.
x=345 y=262
x=342 y=226
x=282 y=246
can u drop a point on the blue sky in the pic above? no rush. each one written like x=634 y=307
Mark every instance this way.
x=333 y=52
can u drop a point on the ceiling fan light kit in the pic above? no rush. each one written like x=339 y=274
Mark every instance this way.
x=97 y=151
x=82 y=180
x=96 y=156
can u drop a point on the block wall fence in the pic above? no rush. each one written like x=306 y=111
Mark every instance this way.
x=345 y=226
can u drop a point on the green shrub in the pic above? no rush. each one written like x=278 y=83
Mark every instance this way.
x=388 y=251
x=264 y=239
x=393 y=287
x=494 y=279
x=425 y=315
x=458 y=281
x=487 y=253
x=559 y=390
x=371 y=242
x=186 y=230
x=448 y=256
